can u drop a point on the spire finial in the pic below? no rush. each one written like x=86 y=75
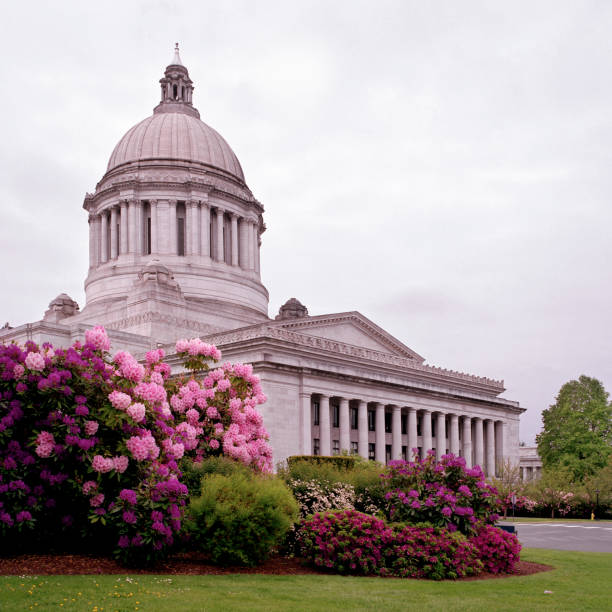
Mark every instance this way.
x=176 y=60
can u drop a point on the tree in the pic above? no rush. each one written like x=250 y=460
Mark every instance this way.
x=508 y=482
x=554 y=491
x=577 y=432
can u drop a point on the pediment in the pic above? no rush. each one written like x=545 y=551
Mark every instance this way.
x=351 y=328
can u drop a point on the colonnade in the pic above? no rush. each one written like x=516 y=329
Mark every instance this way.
x=174 y=227
x=379 y=431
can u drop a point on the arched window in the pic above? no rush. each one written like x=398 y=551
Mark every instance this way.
x=182 y=93
x=175 y=92
x=146 y=229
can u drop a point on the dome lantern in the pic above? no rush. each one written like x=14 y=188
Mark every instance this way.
x=176 y=89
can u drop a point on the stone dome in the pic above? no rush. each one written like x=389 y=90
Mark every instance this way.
x=175 y=136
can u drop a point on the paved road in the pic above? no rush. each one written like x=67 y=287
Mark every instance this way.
x=566 y=536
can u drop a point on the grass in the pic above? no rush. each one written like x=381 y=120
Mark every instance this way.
x=581 y=581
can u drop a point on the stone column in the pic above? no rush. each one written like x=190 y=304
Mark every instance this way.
x=104 y=237
x=306 y=423
x=440 y=435
x=205 y=229
x=380 y=432
x=490 y=446
x=163 y=226
x=454 y=435
x=412 y=432
x=243 y=244
x=153 y=204
x=133 y=229
x=91 y=220
x=251 y=264
x=256 y=247
x=467 y=441
x=123 y=234
x=172 y=225
x=113 y=233
x=345 y=437
x=235 y=244
x=362 y=422
x=324 y=426
x=220 y=253
x=500 y=427
x=396 y=433
x=478 y=443
x=97 y=239
x=195 y=228
x=426 y=431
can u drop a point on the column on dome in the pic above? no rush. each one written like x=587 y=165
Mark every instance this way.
x=380 y=432
x=234 y=239
x=104 y=237
x=113 y=233
x=256 y=247
x=478 y=442
x=426 y=431
x=173 y=229
x=154 y=247
x=500 y=427
x=454 y=435
x=195 y=228
x=467 y=441
x=163 y=226
x=251 y=264
x=412 y=432
x=440 y=435
x=133 y=225
x=123 y=233
x=220 y=246
x=362 y=423
x=205 y=231
x=396 y=433
x=306 y=402
x=490 y=447
x=324 y=426
x=257 y=251
x=91 y=220
x=243 y=243
x=345 y=436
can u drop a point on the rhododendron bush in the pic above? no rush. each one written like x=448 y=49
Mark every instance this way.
x=95 y=443
x=444 y=494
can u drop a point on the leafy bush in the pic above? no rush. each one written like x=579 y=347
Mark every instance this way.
x=313 y=496
x=428 y=552
x=238 y=518
x=498 y=550
x=94 y=445
x=445 y=494
x=350 y=542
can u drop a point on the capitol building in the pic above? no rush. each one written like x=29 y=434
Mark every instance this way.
x=174 y=242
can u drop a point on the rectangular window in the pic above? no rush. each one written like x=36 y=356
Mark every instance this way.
x=404 y=423
x=371 y=420
x=316 y=447
x=433 y=428
x=335 y=415
x=387 y=422
x=336 y=447
x=419 y=420
x=405 y=453
x=148 y=249
x=315 y=410
x=180 y=236
x=420 y=449
x=354 y=448
x=354 y=418
x=387 y=453
x=371 y=451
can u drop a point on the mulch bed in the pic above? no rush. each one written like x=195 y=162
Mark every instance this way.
x=185 y=564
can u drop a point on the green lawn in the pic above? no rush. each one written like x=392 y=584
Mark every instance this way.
x=581 y=581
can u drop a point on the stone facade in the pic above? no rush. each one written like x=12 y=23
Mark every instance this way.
x=174 y=241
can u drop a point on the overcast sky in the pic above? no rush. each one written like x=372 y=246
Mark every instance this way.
x=441 y=167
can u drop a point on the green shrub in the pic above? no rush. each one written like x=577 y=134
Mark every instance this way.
x=239 y=518
x=341 y=462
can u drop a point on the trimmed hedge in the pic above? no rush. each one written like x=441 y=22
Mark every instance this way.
x=342 y=462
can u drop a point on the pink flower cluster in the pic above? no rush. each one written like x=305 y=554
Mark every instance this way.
x=120 y=400
x=137 y=412
x=128 y=367
x=98 y=338
x=106 y=464
x=195 y=347
x=35 y=361
x=143 y=448
x=44 y=444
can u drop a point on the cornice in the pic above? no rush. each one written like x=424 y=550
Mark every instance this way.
x=157 y=317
